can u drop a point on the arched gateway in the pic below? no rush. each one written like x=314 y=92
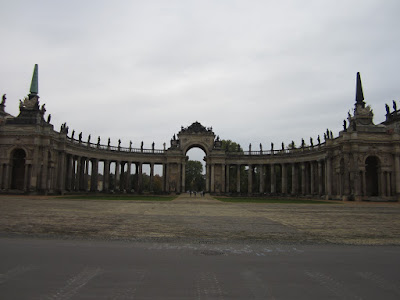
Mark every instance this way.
x=362 y=162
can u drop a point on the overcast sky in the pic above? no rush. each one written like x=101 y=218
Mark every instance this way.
x=256 y=71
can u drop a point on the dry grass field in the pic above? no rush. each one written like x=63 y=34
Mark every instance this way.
x=201 y=220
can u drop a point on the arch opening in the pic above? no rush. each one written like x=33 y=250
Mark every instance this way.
x=372 y=180
x=195 y=169
x=18 y=169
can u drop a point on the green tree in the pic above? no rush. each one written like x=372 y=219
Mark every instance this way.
x=194 y=179
x=230 y=146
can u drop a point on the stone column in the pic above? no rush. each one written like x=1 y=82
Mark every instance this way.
x=140 y=176
x=61 y=172
x=213 y=177
x=262 y=179
x=1 y=176
x=273 y=179
x=223 y=178
x=319 y=178
x=117 y=176
x=122 y=183
x=86 y=175
x=381 y=184
x=151 y=177
x=70 y=165
x=183 y=171
x=106 y=176
x=388 y=184
x=312 y=178
x=95 y=175
x=328 y=176
x=26 y=174
x=34 y=171
x=128 y=183
x=303 y=178
x=346 y=175
x=207 y=177
x=294 y=179
x=45 y=161
x=364 y=181
x=227 y=179
x=250 y=180
x=78 y=174
x=166 y=172
x=284 y=179
x=238 y=178
x=164 y=187
x=397 y=174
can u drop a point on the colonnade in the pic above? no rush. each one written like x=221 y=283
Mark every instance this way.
x=82 y=174
x=304 y=178
x=337 y=177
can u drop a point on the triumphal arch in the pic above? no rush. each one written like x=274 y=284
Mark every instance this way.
x=361 y=163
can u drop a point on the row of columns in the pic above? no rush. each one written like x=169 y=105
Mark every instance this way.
x=77 y=175
x=311 y=178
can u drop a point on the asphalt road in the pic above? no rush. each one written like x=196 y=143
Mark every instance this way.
x=81 y=269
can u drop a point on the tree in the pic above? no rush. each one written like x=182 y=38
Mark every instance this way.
x=194 y=179
x=230 y=146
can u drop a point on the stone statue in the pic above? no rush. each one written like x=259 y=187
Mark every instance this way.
x=331 y=135
x=108 y=143
x=119 y=143
x=48 y=119
x=260 y=147
x=394 y=105
x=387 y=109
x=174 y=137
x=88 y=140
x=319 y=140
x=283 y=146
x=80 y=137
x=325 y=136
x=302 y=143
x=130 y=146
x=311 y=142
x=3 y=100
x=344 y=125
x=141 y=146
x=327 y=133
x=152 y=146
x=272 y=147
x=43 y=108
x=164 y=146
x=73 y=133
x=250 y=147
x=98 y=141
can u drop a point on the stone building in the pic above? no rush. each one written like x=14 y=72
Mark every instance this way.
x=362 y=163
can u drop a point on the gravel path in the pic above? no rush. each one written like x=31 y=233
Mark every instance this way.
x=201 y=219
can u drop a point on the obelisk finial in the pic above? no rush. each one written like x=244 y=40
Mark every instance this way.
x=35 y=81
x=359 y=91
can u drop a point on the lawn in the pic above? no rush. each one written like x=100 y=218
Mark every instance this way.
x=121 y=197
x=271 y=200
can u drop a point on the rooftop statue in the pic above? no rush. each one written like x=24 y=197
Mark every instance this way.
x=29 y=103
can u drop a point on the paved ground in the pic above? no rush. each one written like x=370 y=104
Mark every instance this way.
x=76 y=269
x=197 y=248
x=202 y=219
